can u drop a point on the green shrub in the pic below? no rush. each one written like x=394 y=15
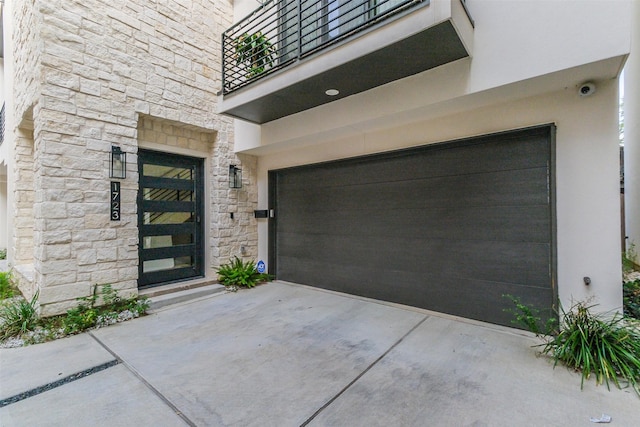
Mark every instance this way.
x=239 y=273
x=631 y=298
x=84 y=315
x=607 y=347
x=18 y=317
x=600 y=344
x=3 y=254
x=80 y=318
x=137 y=306
x=89 y=314
x=7 y=289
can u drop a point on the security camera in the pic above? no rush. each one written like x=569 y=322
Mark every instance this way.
x=587 y=89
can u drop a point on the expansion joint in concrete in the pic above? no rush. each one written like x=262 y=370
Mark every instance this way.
x=41 y=389
x=374 y=363
x=147 y=384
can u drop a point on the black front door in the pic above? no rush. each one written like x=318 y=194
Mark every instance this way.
x=170 y=210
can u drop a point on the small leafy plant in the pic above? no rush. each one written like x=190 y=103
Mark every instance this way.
x=88 y=314
x=239 y=273
x=529 y=318
x=19 y=321
x=18 y=317
x=255 y=53
x=7 y=290
x=602 y=345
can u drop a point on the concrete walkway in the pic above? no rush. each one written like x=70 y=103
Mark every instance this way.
x=288 y=355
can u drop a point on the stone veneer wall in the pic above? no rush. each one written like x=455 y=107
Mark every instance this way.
x=27 y=55
x=26 y=71
x=24 y=194
x=88 y=69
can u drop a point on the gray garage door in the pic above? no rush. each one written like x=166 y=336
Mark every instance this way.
x=448 y=227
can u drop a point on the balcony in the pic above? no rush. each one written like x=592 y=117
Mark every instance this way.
x=292 y=55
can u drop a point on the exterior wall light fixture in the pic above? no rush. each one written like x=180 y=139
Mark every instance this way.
x=235 y=177
x=118 y=166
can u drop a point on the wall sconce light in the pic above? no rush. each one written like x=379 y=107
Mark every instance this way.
x=235 y=177
x=118 y=167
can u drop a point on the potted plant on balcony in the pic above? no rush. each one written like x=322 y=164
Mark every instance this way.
x=255 y=53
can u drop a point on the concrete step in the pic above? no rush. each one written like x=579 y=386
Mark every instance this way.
x=163 y=296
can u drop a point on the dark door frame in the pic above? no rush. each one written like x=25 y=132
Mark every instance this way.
x=273 y=222
x=195 y=227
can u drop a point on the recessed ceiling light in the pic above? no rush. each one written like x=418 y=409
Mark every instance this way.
x=332 y=92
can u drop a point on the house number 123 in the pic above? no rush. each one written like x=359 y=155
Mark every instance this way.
x=115 y=201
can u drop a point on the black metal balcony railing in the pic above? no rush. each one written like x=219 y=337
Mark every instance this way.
x=282 y=31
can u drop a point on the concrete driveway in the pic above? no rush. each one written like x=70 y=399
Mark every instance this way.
x=289 y=355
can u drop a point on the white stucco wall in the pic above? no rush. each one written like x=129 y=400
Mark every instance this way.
x=517 y=40
x=242 y=8
x=632 y=136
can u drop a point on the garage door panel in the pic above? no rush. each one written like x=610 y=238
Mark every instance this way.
x=508 y=223
x=515 y=187
x=475 y=299
x=449 y=228
x=480 y=300
x=523 y=263
x=528 y=152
